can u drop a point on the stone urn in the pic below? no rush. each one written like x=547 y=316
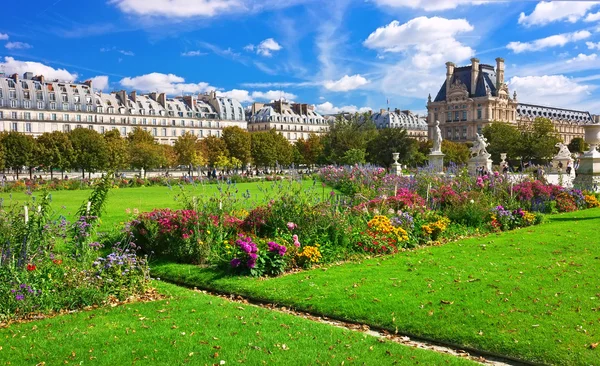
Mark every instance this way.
x=592 y=137
x=396 y=167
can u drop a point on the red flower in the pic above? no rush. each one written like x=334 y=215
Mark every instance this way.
x=56 y=261
x=31 y=267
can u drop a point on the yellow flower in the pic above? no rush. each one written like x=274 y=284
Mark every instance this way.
x=208 y=232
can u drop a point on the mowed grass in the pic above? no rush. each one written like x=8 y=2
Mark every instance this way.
x=532 y=293
x=194 y=328
x=148 y=198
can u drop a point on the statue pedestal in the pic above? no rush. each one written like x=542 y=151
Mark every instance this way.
x=560 y=163
x=588 y=174
x=436 y=161
x=397 y=169
x=479 y=161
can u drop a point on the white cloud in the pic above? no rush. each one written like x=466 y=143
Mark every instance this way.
x=346 y=83
x=176 y=8
x=126 y=53
x=553 y=90
x=551 y=11
x=123 y=52
x=3 y=36
x=12 y=66
x=428 y=5
x=430 y=39
x=329 y=108
x=193 y=53
x=244 y=96
x=264 y=48
x=592 y=17
x=583 y=58
x=592 y=45
x=17 y=46
x=558 y=40
x=166 y=83
x=100 y=82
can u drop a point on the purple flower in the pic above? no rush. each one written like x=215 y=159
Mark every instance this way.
x=19 y=297
x=253 y=256
x=235 y=262
x=251 y=263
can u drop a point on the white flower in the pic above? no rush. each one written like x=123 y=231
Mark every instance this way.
x=472 y=201
x=376 y=211
x=222 y=362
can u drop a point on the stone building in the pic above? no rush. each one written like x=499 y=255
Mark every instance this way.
x=33 y=105
x=476 y=95
x=292 y=120
x=415 y=125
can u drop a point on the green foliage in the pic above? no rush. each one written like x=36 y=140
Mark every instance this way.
x=117 y=152
x=354 y=156
x=348 y=134
x=19 y=150
x=91 y=153
x=238 y=143
x=503 y=138
x=538 y=140
x=188 y=151
x=456 y=152
x=310 y=151
x=263 y=149
x=212 y=147
x=56 y=150
x=389 y=141
x=578 y=145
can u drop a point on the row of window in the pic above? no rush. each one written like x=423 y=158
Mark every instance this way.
x=268 y=127
x=90 y=118
x=290 y=119
x=459 y=133
x=27 y=127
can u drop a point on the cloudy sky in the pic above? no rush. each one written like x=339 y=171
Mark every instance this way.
x=337 y=54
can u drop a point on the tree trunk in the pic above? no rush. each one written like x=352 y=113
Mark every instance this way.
x=30 y=172
x=17 y=170
x=62 y=174
x=83 y=173
x=51 y=173
x=90 y=175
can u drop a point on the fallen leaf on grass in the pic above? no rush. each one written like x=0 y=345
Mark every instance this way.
x=594 y=345
x=446 y=302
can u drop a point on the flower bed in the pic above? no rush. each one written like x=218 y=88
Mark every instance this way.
x=301 y=229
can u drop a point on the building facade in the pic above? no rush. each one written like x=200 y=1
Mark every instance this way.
x=33 y=105
x=415 y=125
x=292 y=120
x=476 y=95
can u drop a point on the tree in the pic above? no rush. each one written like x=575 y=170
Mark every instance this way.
x=19 y=150
x=118 y=153
x=169 y=156
x=264 y=152
x=538 y=140
x=56 y=151
x=144 y=152
x=354 y=156
x=90 y=150
x=238 y=143
x=188 y=151
x=347 y=134
x=578 y=145
x=310 y=150
x=389 y=141
x=212 y=147
x=283 y=149
x=503 y=138
x=456 y=152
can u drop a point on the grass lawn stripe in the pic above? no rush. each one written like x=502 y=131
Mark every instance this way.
x=194 y=328
x=531 y=294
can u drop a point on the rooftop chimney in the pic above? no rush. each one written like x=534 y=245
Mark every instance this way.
x=474 y=74
x=41 y=79
x=449 y=75
x=152 y=96
x=191 y=101
x=122 y=95
x=499 y=72
x=15 y=77
x=133 y=96
x=162 y=100
x=28 y=75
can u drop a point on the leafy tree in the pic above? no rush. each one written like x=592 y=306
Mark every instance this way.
x=456 y=152
x=56 y=151
x=90 y=150
x=538 y=140
x=222 y=162
x=354 y=156
x=19 y=150
x=188 y=152
x=503 y=138
x=118 y=153
x=212 y=147
x=578 y=145
x=238 y=143
x=264 y=151
x=144 y=152
x=283 y=149
x=389 y=141
x=169 y=156
x=310 y=150
x=348 y=134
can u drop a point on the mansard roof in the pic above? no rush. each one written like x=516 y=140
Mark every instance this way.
x=486 y=79
x=533 y=111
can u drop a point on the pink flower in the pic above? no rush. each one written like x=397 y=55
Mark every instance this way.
x=291 y=226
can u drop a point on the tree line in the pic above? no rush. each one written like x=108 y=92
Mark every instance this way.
x=353 y=140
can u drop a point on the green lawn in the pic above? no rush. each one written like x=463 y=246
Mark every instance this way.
x=193 y=328
x=149 y=198
x=533 y=293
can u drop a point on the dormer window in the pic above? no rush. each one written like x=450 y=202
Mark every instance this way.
x=11 y=83
x=24 y=85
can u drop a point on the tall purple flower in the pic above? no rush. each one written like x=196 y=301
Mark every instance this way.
x=235 y=262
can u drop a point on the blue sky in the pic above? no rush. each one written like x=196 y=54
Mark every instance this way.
x=338 y=55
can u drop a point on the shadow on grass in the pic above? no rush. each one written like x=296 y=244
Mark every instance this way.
x=573 y=218
x=205 y=273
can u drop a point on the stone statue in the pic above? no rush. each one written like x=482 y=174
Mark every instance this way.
x=437 y=138
x=479 y=147
x=563 y=151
